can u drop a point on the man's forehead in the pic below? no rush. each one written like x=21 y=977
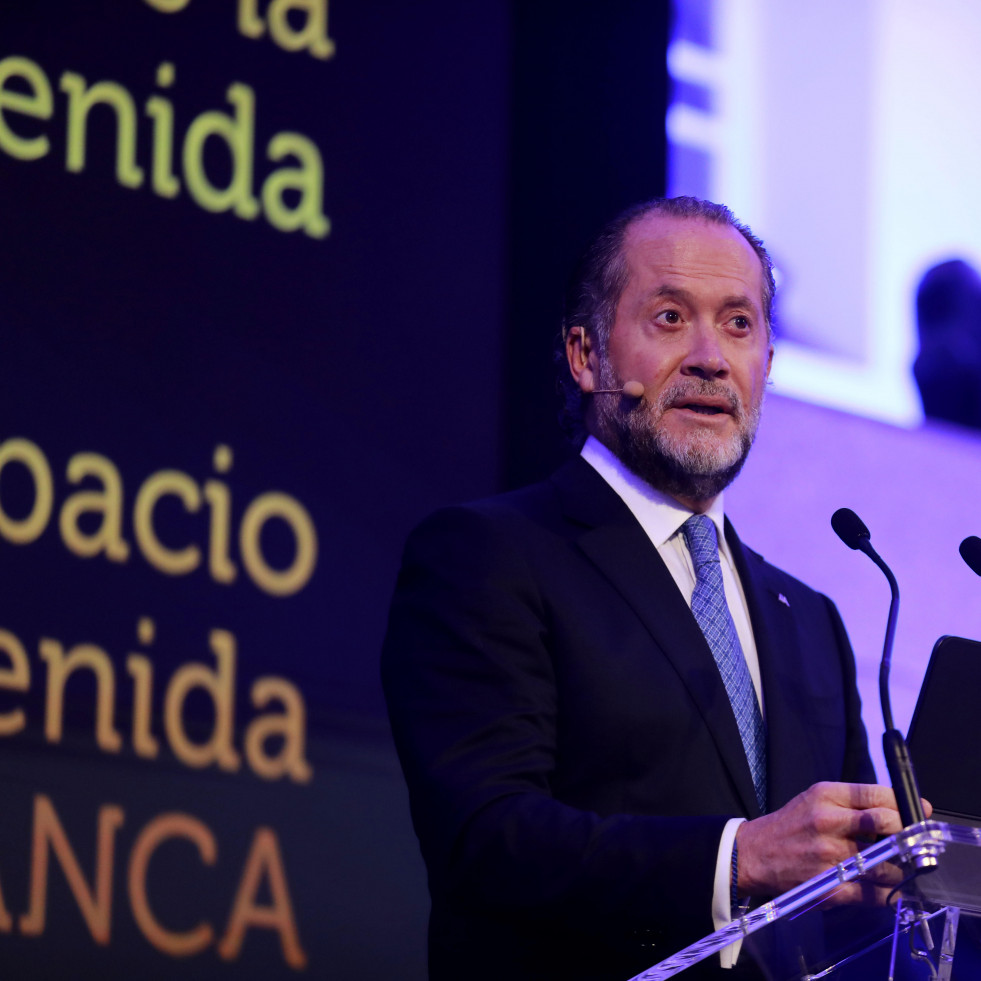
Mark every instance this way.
x=672 y=245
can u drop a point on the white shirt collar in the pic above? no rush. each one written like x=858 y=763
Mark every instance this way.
x=659 y=514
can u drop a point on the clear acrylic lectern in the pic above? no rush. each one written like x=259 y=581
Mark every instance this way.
x=941 y=864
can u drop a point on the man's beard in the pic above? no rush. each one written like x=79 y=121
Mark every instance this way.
x=696 y=465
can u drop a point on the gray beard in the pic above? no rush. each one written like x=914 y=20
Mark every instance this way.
x=696 y=467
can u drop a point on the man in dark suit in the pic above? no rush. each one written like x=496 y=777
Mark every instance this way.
x=615 y=720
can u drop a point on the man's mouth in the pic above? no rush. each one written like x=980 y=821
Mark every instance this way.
x=704 y=400
x=708 y=410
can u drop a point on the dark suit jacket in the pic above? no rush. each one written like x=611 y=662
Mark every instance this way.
x=570 y=750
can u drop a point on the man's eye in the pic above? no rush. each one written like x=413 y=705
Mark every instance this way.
x=743 y=323
x=670 y=317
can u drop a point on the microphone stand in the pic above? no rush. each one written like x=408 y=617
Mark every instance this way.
x=852 y=531
x=898 y=761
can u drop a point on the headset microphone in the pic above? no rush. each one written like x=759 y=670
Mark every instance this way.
x=630 y=390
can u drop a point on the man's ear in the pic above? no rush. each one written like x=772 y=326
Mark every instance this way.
x=581 y=357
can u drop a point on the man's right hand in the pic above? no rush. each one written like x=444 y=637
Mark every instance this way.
x=827 y=823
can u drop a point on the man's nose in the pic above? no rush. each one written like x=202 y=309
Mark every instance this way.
x=705 y=357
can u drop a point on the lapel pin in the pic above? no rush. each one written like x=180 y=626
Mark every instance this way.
x=783 y=599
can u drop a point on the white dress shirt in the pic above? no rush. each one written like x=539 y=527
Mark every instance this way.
x=661 y=517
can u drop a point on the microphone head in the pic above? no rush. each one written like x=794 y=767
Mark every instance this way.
x=850 y=528
x=971 y=552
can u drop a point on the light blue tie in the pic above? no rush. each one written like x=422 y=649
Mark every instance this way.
x=708 y=603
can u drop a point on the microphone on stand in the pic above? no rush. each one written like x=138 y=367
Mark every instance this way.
x=630 y=390
x=971 y=552
x=850 y=528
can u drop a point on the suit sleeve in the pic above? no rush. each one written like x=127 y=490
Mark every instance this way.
x=468 y=674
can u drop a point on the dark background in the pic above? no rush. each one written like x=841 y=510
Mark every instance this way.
x=402 y=362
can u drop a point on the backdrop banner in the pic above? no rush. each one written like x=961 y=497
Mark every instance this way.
x=246 y=250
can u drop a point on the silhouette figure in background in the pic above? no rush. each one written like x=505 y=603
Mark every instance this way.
x=948 y=320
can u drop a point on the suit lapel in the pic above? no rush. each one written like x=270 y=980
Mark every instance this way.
x=615 y=543
x=779 y=652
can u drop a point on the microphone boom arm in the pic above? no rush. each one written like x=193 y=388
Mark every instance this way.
x=886 y=664
x=851 y=530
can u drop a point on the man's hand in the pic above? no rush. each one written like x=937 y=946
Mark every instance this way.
x=827 y=823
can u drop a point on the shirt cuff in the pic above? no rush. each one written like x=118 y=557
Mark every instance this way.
x=722 y=894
